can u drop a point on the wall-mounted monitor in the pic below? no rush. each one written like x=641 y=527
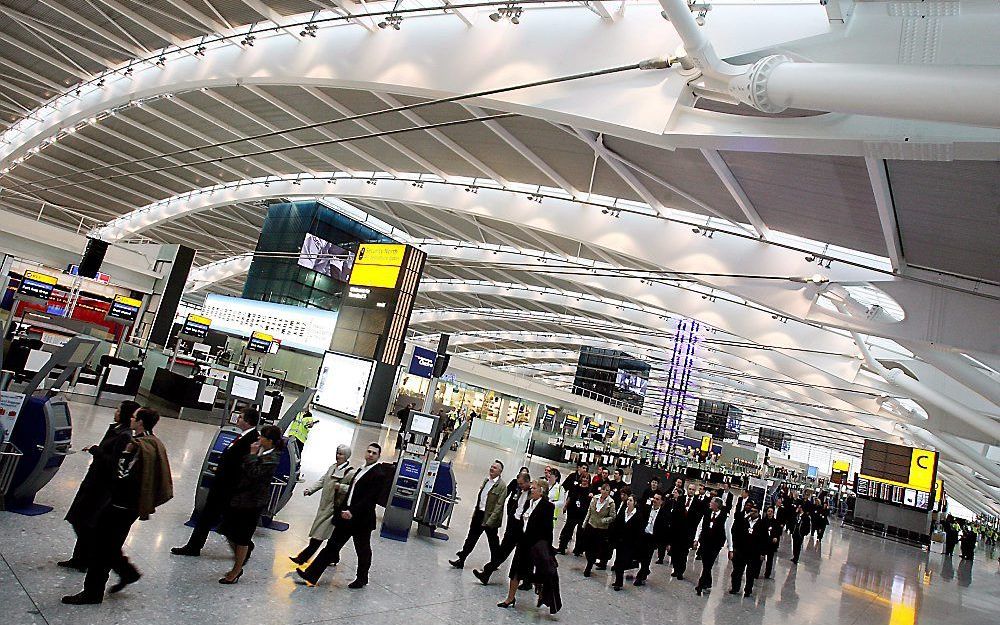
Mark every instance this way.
x=326 y=258
x=421 y=424
x=342 y=385
x=244 y=387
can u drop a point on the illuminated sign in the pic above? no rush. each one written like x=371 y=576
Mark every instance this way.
x=899 y=465
x=196 y=326
x=297 y=327
x=387 y=254
x=839 y=472
x=706 y=443
x=375 y=275
x=36 y=285
x=422 y=363
x=124 y=309
x=260 y=342
x=368 y=296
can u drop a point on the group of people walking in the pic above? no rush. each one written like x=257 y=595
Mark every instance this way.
x=611 y=521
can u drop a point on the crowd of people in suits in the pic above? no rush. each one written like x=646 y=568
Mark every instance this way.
x=607 y=520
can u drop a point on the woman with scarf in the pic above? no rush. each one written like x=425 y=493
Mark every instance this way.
x=335 y=483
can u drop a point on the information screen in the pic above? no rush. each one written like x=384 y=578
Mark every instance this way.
x=886 y=461
x=245 y=388
x=223 y=440
x=260 y=342
x=410 y=468
x=421 y=424
x=124 y=309
x=342 y=385
x=896 y=474
x=196 y=326
x=38 y=285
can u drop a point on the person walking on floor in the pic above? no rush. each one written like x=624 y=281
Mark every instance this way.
x=227 y=476
x=774 y=530
x=557 y=494
x=298 y=430
x=656 y=532
x=596 y=529
x=629 y=527
x=749 y=541
x=240 y=519
x=355 y=520
x=140 y=484
x=517 y=503
x=94 y=492
x=711 y=540
x=334 y=484
x=487 y=516
x=801 y=528
x=681 y=519
x=536 y=532
x=578 y=497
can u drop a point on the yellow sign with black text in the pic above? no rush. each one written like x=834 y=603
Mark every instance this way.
x=388 y=254
x=706 y=443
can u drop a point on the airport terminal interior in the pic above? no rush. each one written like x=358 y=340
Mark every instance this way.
x=513 y=311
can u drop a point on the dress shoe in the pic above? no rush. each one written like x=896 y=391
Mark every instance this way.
x=680 y=578
x=185 y=551
x=297 y=560
x=525 y=585
x=639 y=582
x=586 y=572
x=734 y=591
x=482 y=576
x=561 y=551
x=458 y=564
x=747 y=593
x=78 y=565
x=507 y=604
x=698 y=590
x=617 y=587
x=124 y=581
x=356 y=584
x=795 y=560
x=81 y=598
x=228 y=581
x=310 y=582
x=602 y=567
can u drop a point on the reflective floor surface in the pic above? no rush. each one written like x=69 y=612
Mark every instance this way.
x=849 y=578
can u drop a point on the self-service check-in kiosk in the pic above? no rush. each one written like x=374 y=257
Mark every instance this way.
x=285 y=477
x=37 y=438
x=419 y=434
x=439 y=491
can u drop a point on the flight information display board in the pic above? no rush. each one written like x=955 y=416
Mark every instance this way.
x=196 y=326
x=124 y=309
x=897 y=474
x=35 y=285
x=260 y=342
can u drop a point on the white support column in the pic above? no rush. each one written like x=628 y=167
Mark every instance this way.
x=596 y=143
x=886 y=212
x=725 y=174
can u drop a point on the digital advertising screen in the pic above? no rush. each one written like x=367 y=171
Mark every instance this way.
x=326 y=258
x=342 y=384
x=631 y=382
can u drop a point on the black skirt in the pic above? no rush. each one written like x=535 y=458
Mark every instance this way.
x=239 y=524
x=521 y=565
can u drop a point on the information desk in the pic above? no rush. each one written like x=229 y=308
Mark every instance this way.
x=171 y=391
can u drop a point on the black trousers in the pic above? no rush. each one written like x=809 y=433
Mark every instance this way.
x=796 y=546
x=330 y=554
x=749 y=564
x=597 y=548
x=708 y=558
x=310 y=549
x=84 y=548
x=476 y=529
x=567 y=534
x=820 y=531
x=209 y=517
x=949 y=549
x=646 y=550
x=768 y=563
x=506 y=547
x=679 y=558
x=107 y=555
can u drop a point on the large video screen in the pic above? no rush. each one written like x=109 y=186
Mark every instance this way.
x=629 y=381
x=326 y=258
x=342 y=385
x=307 y=329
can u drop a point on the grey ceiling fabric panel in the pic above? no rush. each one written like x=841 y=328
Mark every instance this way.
x=826 y=198
x=949 y=215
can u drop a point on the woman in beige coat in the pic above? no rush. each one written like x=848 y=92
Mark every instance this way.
x=597 y=524
x=334 y=484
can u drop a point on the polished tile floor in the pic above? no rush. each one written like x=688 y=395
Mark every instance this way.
x=850 y=578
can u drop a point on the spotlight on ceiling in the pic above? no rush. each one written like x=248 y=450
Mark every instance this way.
x=495 y=16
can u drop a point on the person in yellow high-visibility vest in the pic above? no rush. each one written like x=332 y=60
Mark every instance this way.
x=298 y=431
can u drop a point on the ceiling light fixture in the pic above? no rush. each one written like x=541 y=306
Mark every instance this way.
x=510 y=11
x=392 y=21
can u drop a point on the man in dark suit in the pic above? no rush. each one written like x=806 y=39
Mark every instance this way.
x=800 y=529
x=749 y=542
x=711 y=540
x=517 y=503
x=696 y=506
x=656 y=533
x=681 y=519
x=354 y=520
x=227 y=476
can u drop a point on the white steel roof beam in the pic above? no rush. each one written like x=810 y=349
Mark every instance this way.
x=596 y=143
x=886 y=212
x=735 y=189
x=133 y=48
x=206 y=22
x=42 y=28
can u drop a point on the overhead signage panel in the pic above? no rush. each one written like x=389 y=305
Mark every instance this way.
x=375 y=275
x=36 y=285
x=386 y=254
x=124 y=309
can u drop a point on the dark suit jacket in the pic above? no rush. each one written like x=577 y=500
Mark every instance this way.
x=751 y=544
x=661 y=526
x=365 y=493
x=801 y=527
x=774 y=529
x=680 y=526
x=230 y=469
x=254 y=488
x=539 y=526
x=712 y=535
